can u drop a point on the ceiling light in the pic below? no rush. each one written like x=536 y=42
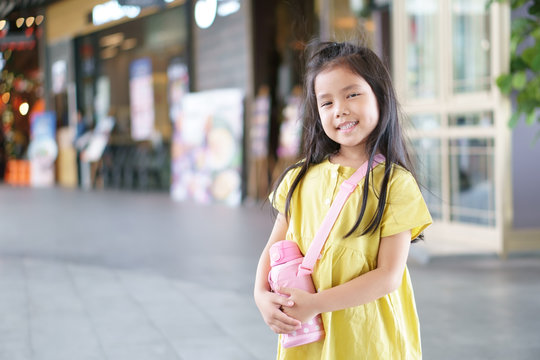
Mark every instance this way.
x=228 y=8
x=205 y=13
x=23 y=109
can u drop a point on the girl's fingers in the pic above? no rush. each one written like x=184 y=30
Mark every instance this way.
x=283 y=300
x=286 y=302
x=285 y=324
x=278 y=321
x=286 y=319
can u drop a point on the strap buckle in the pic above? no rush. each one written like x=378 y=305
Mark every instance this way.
x=348 y=187
x=302 y=270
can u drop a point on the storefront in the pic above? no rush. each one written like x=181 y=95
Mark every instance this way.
x=444 y=56
x=107 y=61
x=126 y=66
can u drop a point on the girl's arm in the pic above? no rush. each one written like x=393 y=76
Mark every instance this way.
x=391 y=261
x=268 y=302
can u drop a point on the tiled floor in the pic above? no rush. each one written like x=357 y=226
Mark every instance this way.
x=129 y=276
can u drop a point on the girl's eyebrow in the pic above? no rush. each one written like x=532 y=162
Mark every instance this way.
x=345 y=89
x=322 y=96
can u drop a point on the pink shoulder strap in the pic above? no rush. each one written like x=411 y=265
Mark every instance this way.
x=346 y=189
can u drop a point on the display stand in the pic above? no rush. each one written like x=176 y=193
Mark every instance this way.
x=92 y=144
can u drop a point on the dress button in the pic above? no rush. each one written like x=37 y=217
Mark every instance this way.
x=327 y=201
x=334 y=175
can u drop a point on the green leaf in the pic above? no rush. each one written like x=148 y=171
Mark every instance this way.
x=526 y=99
x=519 y=80
x=535 y=65
x=535 y=85
x=536 y=33
x=518 y=3
x=514 y=43
x=532 y=90
x=513 y=120
x=517 y=64
x=531 y=117
x=504 y=82
x=522 y=26
x=534 y=10
x=528 y=55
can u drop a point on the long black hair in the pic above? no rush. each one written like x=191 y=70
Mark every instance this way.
x=387 y=138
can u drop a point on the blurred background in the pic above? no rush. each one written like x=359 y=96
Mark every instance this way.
x=140 y=138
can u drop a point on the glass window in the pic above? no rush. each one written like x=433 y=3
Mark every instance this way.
x=425 y=121
x=422 y=56
x=484 y=119
x=447 y=56
x=107 y=56
x=428 y=154
x=471 y=46
x=367 y=20
x=472 y=190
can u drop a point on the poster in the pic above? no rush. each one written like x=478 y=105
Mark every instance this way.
x=141 y=96
x=207 y=148
x=42 y=150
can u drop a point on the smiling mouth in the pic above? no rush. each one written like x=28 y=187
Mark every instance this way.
x=348 y=125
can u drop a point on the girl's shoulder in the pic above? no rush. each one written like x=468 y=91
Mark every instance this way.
x=318 y=172
x=285 y=183
x=399 y=173
x=401 y=180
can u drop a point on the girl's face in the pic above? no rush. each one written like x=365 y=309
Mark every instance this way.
x=347 y=107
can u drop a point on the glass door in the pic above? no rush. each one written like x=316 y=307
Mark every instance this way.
x=445 y=84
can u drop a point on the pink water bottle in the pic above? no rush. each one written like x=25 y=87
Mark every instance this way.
x=285 y=258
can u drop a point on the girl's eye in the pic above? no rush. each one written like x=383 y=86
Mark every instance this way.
x=327 y=103
x=354 y=95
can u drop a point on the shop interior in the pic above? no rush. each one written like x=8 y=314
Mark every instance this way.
x=21 y=91
x=108 y=87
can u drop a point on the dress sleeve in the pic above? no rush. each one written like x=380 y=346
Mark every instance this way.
x=405 y=206
x=282 y=190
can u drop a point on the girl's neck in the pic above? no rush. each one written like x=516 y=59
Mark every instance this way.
x=349 y=159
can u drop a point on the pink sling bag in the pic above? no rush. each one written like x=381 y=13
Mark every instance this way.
x=289 y=269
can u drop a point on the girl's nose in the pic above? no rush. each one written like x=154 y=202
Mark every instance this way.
x=341 y=111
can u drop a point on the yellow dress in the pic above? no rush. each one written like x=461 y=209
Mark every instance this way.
x=387 y=328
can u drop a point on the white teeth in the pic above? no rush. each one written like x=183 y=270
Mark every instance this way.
x=348 y=125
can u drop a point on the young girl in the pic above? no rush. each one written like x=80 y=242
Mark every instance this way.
x=364 y=292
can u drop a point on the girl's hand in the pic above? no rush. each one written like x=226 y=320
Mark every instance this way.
x=270 y=305
x=304 y=308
